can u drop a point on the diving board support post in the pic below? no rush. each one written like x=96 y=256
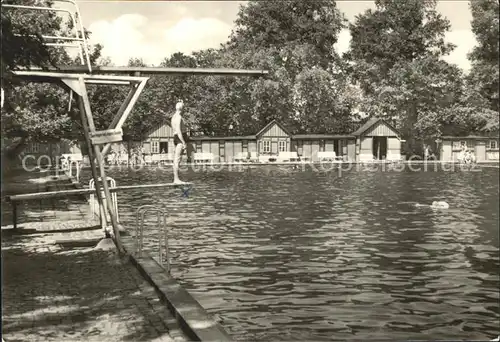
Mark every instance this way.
x=90 y=129
x=125 y=109
x=93 y=168
x=137 y=86
x=93 y=202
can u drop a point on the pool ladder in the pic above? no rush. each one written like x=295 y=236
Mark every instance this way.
x=162 y=233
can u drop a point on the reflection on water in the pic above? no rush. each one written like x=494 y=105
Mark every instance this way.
x=280 y=254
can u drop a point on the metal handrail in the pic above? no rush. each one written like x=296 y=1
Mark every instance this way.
x=82 y=30
x=114 y=200
x=83 y=50
x=162 y=232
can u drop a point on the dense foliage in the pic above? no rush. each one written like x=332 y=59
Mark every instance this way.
x=35 y=111
x=484 y=76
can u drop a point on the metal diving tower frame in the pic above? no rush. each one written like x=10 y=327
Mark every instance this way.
x=75 y=80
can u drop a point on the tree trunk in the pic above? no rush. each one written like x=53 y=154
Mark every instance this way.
x=412 y=147
x=10 y=154
x=13 y=150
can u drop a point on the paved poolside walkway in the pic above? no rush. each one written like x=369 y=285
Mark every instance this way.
x=53 y=293
x=39 y=215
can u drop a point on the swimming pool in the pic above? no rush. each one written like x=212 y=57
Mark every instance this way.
x=277 y=253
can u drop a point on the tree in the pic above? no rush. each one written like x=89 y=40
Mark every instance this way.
x=295 y=41
x=395 y=32
x=395 y=57
x=285 y=25
x=317 y=91
x=484 y=57
x=34 y=111
x=22 y=46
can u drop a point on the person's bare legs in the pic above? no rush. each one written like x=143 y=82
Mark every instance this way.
x=177 y=161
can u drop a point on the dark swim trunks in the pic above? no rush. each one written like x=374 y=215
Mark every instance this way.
x=178 y=141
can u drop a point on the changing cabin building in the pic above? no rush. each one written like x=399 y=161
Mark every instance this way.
x=377 y=140
x=485 y=148
x=374 y=140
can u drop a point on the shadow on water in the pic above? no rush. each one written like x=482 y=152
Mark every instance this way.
x=283 y=254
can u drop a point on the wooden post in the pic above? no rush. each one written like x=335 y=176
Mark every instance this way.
x=100 y=161
x=92 y=165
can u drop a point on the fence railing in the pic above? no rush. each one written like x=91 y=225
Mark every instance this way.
x=95 y=209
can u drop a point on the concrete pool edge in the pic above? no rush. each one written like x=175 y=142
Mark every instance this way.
x=192 y=318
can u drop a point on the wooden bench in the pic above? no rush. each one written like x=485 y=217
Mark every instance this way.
x=203 y=157
x=251 y=157
x=241 y=156
x=328 y=156
x=288 y=156
x=267 y=158
x=163 y=157
x=254 y=157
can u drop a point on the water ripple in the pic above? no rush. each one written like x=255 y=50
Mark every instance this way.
x=276 y=254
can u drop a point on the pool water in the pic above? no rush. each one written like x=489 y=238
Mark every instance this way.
x=276 y=253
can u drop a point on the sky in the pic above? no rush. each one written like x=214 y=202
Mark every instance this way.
x=153 y=30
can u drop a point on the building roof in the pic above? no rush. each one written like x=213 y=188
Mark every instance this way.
x=322 y=136
x=369 y=124
x=205 y=138
x=274 y=122
x=365 y=127
x=469 y=137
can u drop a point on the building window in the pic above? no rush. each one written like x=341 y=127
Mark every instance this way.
x=266 y=146
x=155 y=146
x=457 y=145
x=198 y=146
x=493 y=145
x=282 y=146
x=244 y=145
x=33 y=148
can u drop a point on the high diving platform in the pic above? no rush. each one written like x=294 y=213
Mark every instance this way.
x=138 y=71
x=76 y=78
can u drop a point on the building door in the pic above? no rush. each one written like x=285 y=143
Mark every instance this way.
x=337 y=147
x=274 y=147
x=163 y=146
x=380 y=148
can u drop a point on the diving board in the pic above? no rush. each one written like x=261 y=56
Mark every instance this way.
x=73 y=192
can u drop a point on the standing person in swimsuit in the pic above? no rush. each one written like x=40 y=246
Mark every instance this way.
x=180 y=139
